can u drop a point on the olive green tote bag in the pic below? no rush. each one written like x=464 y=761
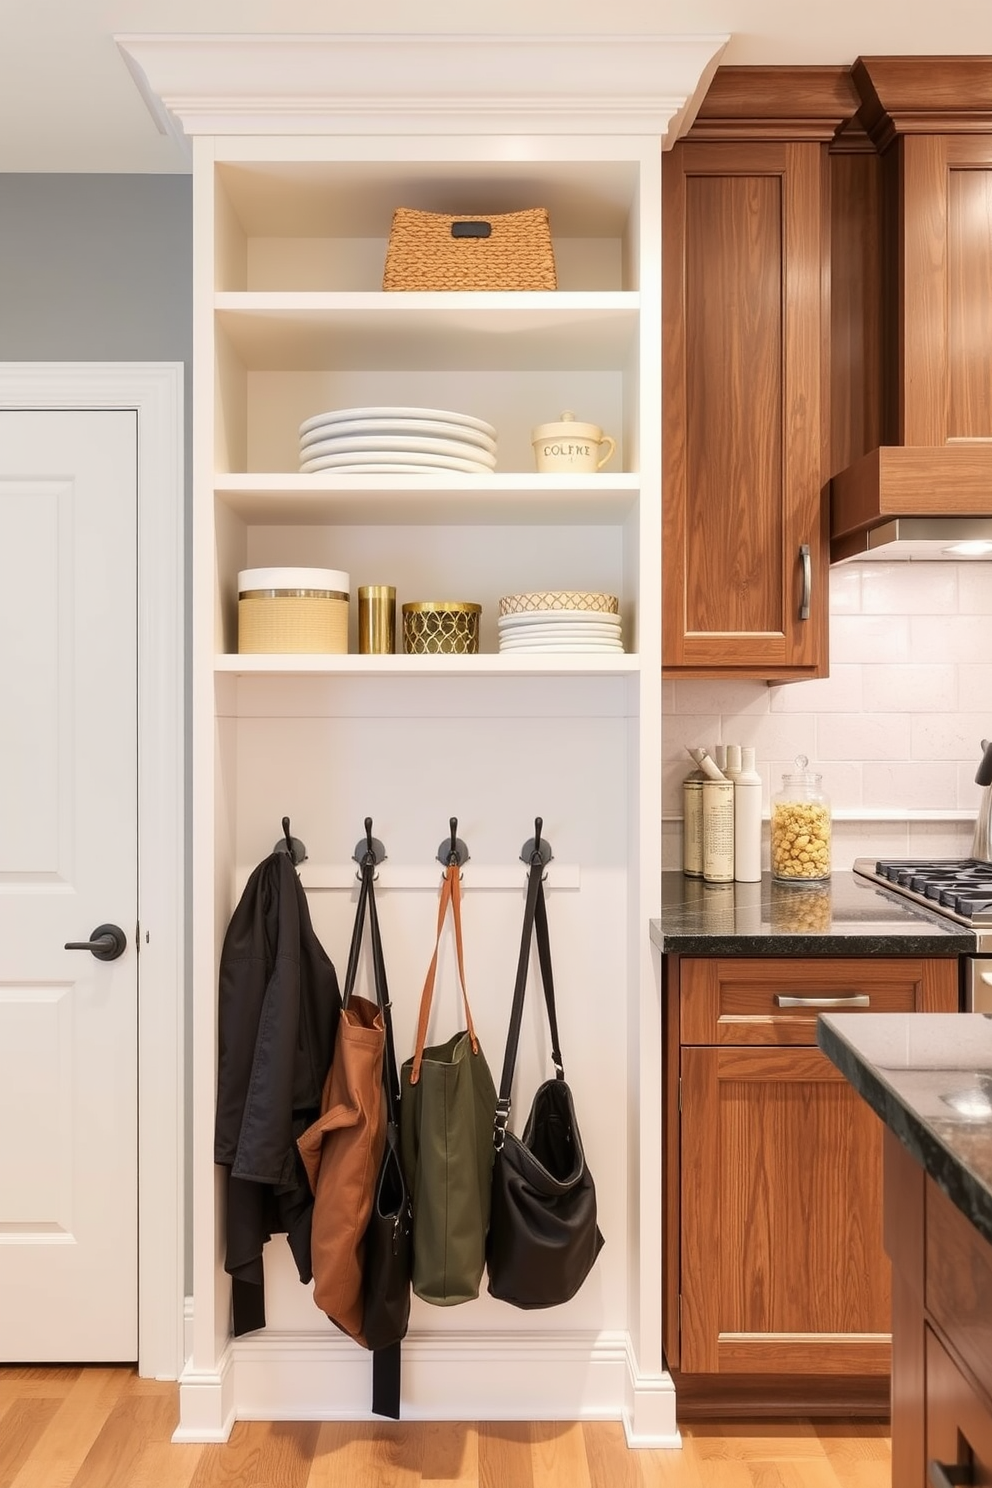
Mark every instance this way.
x=447 y=1108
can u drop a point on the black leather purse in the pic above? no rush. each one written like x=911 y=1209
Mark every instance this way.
x=543 y=1232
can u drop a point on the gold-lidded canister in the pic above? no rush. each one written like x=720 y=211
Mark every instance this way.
x=441 y=627
x=376 y=619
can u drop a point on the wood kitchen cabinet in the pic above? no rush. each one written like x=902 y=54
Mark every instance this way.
x=941 y=1330
x=745 y=249
x=931 y=120
x=912 y=297
x=776 y=1281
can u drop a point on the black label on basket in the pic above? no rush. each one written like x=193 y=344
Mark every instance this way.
x=471 y=229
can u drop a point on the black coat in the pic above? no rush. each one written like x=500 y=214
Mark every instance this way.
x=278 y=1010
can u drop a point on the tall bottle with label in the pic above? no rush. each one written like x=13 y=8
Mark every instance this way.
x=718 y=823
x=692 y=824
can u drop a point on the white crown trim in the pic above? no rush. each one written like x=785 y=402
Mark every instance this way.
x=335 y=84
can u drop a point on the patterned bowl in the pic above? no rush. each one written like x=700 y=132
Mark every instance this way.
x=559 y=599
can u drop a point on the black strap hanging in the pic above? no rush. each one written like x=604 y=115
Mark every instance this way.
x=535 y=918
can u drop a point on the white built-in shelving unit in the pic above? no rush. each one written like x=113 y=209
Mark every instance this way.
x=302 y=148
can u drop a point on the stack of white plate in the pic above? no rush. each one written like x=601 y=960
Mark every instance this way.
x=560 y=620
x=397 y=441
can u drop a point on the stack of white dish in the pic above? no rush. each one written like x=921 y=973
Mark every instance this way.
x=562 y=620
x=397 y=441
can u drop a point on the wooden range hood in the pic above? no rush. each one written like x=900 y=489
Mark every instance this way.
x=928 y=483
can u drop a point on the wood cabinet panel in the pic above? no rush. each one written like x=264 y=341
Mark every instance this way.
x=782 y=1261
x=959 y=1282
x=855 y=307
x=903 y=1230
x=773 y=1185
x=737 y=1000
x=958 y=1417
x=733 y=464
x=969 y=302
x=745 y=247
x=939 y=303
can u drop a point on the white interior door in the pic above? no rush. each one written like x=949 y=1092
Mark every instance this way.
x=68 y=864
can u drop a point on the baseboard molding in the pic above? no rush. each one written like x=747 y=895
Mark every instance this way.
x=207 y=1405
x=705 y=1397
x=649 y=1407
x=528 y=1376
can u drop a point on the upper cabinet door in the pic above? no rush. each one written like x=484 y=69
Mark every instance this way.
x=745 y=387
x=940 y=301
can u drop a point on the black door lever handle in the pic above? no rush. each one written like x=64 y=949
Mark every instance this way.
x=106 y=943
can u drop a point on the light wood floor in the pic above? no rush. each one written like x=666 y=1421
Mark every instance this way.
x=105 y=1428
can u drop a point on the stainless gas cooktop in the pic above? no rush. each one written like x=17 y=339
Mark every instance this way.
x=959 y=889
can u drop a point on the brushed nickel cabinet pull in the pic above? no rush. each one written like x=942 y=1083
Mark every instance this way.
x=807 y=594
x=855 y=999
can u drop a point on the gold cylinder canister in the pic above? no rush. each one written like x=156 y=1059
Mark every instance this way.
x=293 y=611
x=441 y=627
x=376 y=619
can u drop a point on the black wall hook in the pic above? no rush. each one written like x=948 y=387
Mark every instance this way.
x=536 y=845
x=452 y=851
x=368 y=845
x=292 y=845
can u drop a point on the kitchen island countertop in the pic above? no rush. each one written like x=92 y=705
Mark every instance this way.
x=929 y=1077
x=845 y=916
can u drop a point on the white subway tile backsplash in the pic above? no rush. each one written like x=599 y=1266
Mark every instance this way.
x=900 y=589
x=969 y=794
x=895 y=727
x=914 y=688
x=975 y=588
x=940 y=839
x=863 y=736
x=975 y=684
x=919 y=785
x=845 y=590
x=725 y=695
x=955 y=736
x=866 y=638
x=948 y=637
x=841 y=692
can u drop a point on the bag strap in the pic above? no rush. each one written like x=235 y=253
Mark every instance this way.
x=355 y=950
x=390 y=1079
x=451 y=893
x=535 y=916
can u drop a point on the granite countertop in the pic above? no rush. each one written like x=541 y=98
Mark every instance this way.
x=845 y=916
x=929 y=1077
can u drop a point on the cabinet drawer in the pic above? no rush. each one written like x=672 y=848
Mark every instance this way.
x=776 y=1000
x=959 y=1283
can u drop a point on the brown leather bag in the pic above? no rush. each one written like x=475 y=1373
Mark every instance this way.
x=342 y=1151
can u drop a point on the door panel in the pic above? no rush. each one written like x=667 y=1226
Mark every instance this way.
x=68 y=863
x=783 y=1269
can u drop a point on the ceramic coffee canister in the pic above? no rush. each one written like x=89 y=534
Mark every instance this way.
x=570 y=447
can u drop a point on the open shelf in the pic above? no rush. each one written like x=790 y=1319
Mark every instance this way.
x=306 y=331
x=485 y=664
x=513 y=499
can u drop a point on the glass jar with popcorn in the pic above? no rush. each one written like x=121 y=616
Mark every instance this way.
x=800 y=827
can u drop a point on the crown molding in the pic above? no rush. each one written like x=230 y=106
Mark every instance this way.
x=776 y=103
x=388 y=84
x=923 y=95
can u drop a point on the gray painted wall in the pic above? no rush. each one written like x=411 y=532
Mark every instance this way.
x=96 y=268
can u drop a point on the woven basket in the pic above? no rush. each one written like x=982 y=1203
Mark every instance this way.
x=292 y=610
x=441 y=627
x=433 y=251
